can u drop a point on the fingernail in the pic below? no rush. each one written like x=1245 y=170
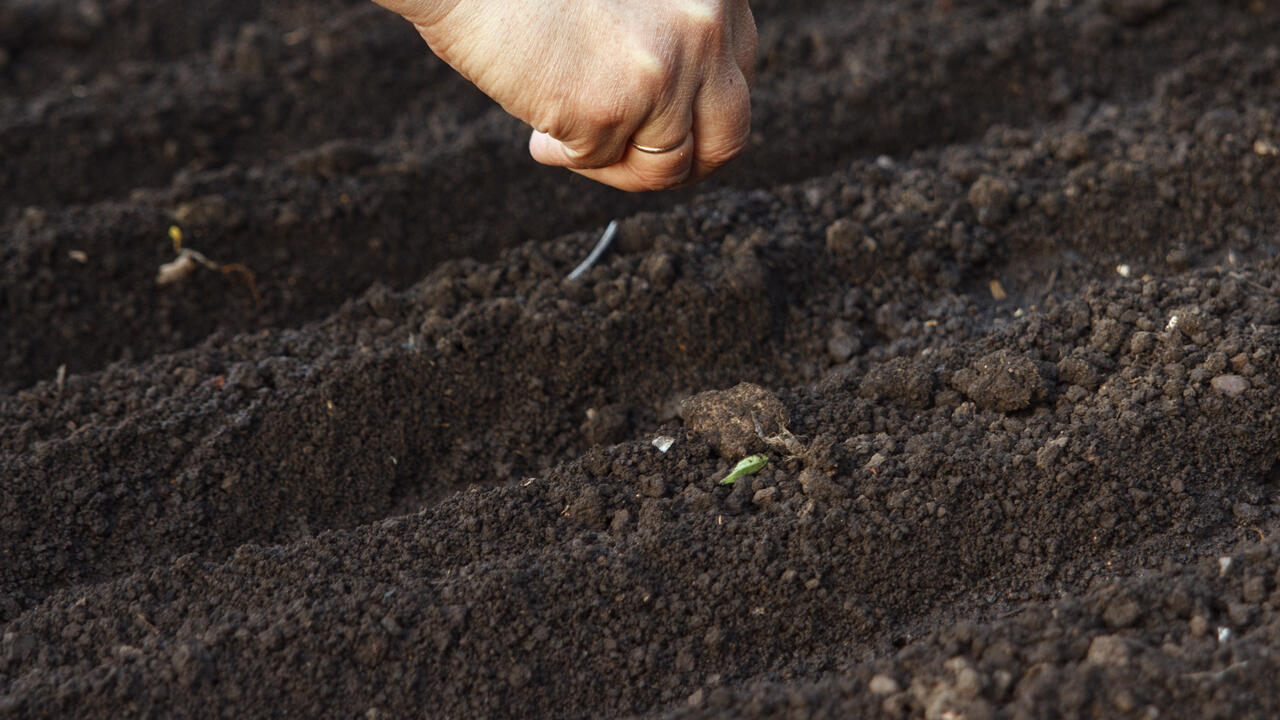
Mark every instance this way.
x=545 y=149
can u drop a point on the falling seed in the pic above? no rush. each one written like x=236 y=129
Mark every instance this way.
x=1124 y=270
x=606 y=239
x=79 y=256
x=663 y=443
x=997 y=290
x=1265 y=147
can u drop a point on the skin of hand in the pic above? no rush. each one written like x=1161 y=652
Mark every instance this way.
x=594 y=76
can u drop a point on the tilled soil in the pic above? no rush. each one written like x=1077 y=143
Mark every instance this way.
x=995 y=288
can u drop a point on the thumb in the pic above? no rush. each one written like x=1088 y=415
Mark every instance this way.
x=550 y=151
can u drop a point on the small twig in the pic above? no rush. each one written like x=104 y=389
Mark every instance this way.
x=605 y=240
x=1218 y=675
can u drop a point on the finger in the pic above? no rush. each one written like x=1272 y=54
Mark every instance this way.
x=598 y=146
x=670 y=120
x=597 y=131
x=721 y=123
x=550 y=151
x=634 y=169
x=640 y=171
x=669 y=130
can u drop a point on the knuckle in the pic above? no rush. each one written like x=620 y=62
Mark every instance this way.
x=645 y=69
x=651 y=74
x=705 y=17
x=721 y=150
x=720 y=153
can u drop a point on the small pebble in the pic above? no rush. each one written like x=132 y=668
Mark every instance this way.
x=765 y=496
x=842 y=237
x=991 y=198
x=1230 y=384
x=1108 y=650
x=883 y=685
x=1198 y=625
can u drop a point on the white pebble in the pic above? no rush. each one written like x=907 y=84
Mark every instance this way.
x=883 y=685
x=1230 y=384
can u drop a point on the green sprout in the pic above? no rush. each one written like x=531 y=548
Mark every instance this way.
x=748 y=466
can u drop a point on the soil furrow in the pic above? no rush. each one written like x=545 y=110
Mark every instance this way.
x=281 y=411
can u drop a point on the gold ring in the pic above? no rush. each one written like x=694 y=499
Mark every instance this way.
x=657 y=150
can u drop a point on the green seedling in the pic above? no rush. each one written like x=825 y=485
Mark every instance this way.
x=747 y=466
x=188 y=260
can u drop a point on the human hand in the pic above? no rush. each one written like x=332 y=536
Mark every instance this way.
x=598 y=78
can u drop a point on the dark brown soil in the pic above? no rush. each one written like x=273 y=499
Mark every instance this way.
x=1003 y=281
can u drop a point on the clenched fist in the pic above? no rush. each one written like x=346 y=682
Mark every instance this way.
x=637 y=94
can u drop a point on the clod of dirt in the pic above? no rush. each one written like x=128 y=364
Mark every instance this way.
x=1195 y=324
x=1073 y=147
x=842 y=237
x=991 y=198
x=587 y=508
x=1079 y=371
x=819 y=485
x=1001 y=381
x=900 y=380
x=1121 y=612
x=844 y=341
x=1048 y=455
x=1109 y=650
x=736 y=421
x=659 y=269
x=1109 y=335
